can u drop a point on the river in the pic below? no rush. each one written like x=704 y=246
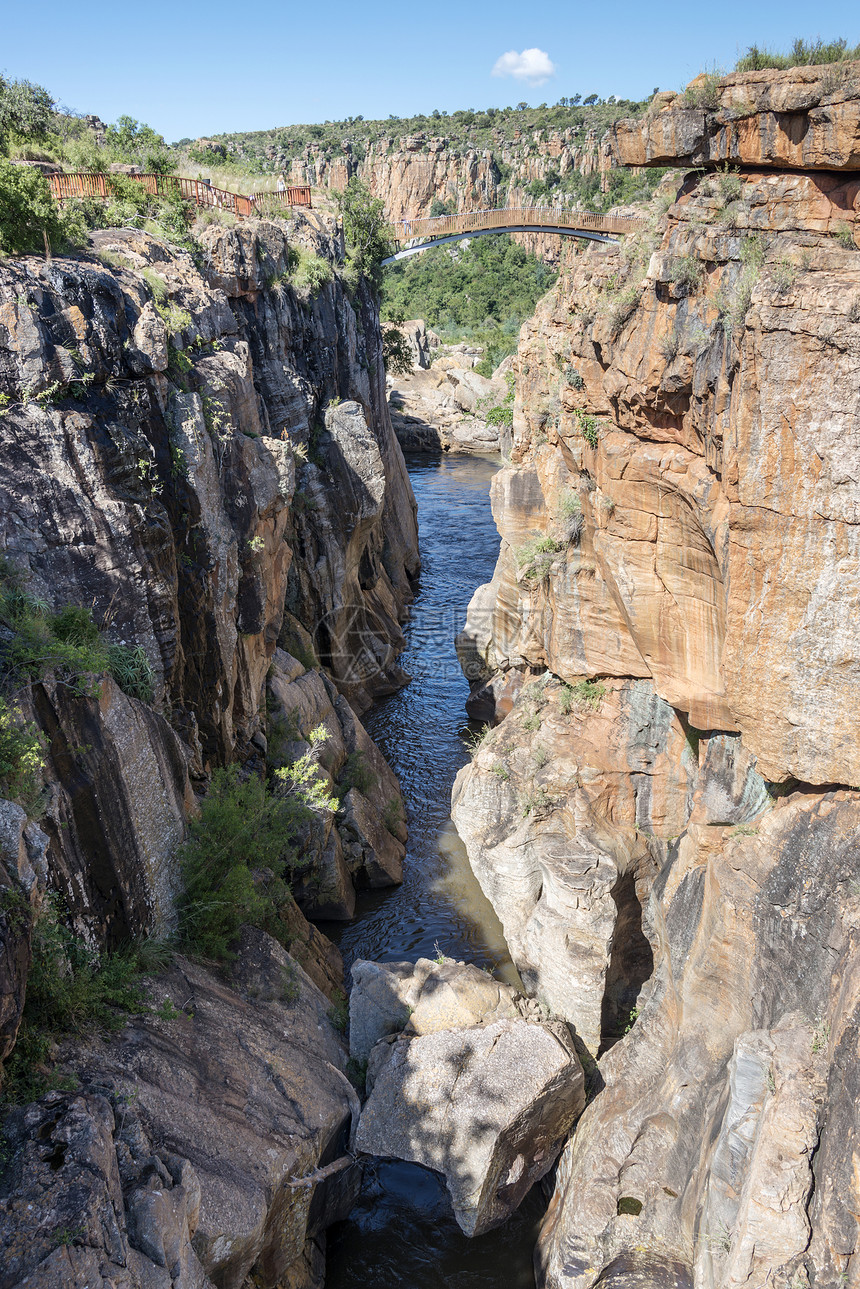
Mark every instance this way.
x=402 y=1233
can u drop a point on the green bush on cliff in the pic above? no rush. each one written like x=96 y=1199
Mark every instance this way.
x=71 y=989
x=21 y=759
x=365 y=230
x=242 y=850
x=67 y=644
x=29 y=216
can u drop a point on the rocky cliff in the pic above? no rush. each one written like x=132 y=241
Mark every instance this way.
x=665 y=812
x=409 y=173
x=199 y=470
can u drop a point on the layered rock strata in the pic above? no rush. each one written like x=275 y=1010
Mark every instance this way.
x=668 y=651
x=154 y=471
x=199 y=455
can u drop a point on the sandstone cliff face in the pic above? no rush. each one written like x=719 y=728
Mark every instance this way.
x=669 y=651
x=806 y=118
x=410 y=173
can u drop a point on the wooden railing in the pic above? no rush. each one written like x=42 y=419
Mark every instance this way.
x=536 y=216
x=203 y=194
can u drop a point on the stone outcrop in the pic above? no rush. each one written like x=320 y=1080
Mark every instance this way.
x=154 y=453
x=490 y=1107
x=192 y=1153
x=443 y=407
x=423 y=997
x=742 y=1174
x=200 y=454
x=668 y=653
x=806 y=118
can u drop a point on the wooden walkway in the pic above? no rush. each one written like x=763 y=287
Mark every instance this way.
x=84 y=184
x=511 y=219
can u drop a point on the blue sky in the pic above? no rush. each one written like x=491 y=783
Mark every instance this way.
x=193 y=68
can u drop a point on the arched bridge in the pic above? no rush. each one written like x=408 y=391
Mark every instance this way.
x=436 y=230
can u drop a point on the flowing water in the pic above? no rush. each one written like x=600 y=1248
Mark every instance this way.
x=402 y=1234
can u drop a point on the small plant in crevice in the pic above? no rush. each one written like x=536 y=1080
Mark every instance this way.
x=356 y=773
x=844 y=235
x=338 y=1013
x=537 y=803
x=393 y=816
x=685 y=274
x=820 y=1037
x=783 y=275
x=585 y=693
x=589 y=427
x=568 y=517
x=535 y=558
x=669 y=346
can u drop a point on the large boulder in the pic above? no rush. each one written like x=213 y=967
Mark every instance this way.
x=489 y=1107
x=422 y=998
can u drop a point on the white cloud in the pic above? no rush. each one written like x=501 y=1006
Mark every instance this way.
x=532 y=65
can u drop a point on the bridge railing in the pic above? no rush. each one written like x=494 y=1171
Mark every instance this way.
x=84 y=184
x=541 y=216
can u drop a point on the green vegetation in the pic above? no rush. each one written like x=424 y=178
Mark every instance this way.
x=535 y=559
x=802 y=54
x=310 y=271
x=589 y=427
x=243 y=849
x=502 y=413
x=21 y=759
x=67 y=644
x=481 y=294
x=481 y=129
x=686 y=274
x=71 y=989
x=536 y=803
x=31 y=222
x=585 y=693
x=26 y=111
x=396 y=351
x=357 y=774
x=733 y=301
x=568 y=517
x=844 y=235
x=392 y=815
x=365 y=231
x=338 y=1013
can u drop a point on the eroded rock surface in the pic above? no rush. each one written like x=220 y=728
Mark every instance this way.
x=444 y=407
x=489 y=1107
x=668 y=653
x=192 y=1124
x=421 y=998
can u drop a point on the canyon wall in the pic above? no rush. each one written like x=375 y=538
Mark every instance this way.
x=197 y=456
x=665 y=811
